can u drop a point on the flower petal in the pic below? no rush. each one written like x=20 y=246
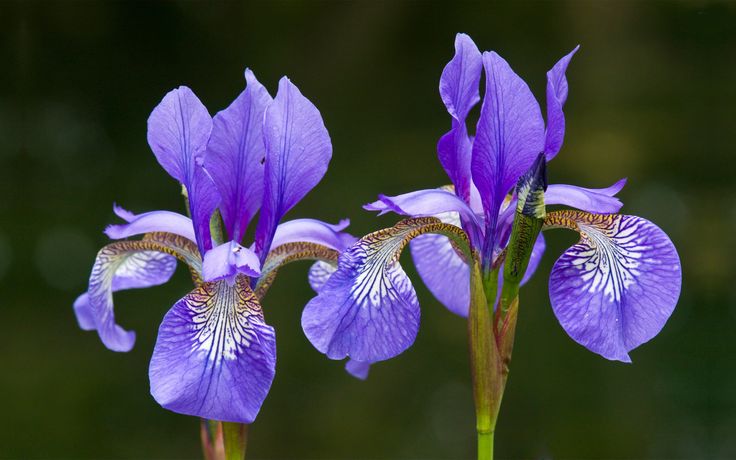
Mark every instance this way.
x=298 y=150
x=228 y=260
x=178 y=131
x=427 y=203
x=368 y=309
x=509 y=137
x=319 y=273
x=443 y=271
x=615 y=288
x=313 y=231
x=215 y=357
x=148 y=222
x=120 y=265
x=358 y=369
x=556 y=97
x=459 y=91
x=235 y=155
x=601 y=201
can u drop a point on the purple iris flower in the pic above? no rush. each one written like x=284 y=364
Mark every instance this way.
x=215 y=355
x=611 y=292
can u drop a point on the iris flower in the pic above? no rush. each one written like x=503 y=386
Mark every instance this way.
x=215 y=355
x=611 y=291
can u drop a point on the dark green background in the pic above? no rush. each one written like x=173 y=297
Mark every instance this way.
x=652 y=98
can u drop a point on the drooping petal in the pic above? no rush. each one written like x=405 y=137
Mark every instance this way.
x=120 y=265
x=459 y=91
x=358 y=369
x=368 y=309
x=444 y=272
x=228 y=260
x=601 y=201
x=319 y=273
x=178 y=131
x=313 y=231
x=556 y=97
x=298 y=150
x=509 y=137
x=215 y=356
x=287 y=253
x=235 y=156
x=427 y=203
x=615 y=288
x=148 y=222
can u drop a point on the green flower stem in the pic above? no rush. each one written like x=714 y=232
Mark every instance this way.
x=485 y=360
x=235 y=436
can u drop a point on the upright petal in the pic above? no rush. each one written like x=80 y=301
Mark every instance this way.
x=298 y=150
x=601 y=201
x=444 y=272
x=215 y=356
x=178 y=131
x=509 y=137
x=235 y=156
x=313 y=231
x=153 y=221
x=459 y=91
x=368 y=309
x=615 y=288
x=556 y=97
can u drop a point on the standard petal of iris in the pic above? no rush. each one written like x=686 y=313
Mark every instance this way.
x=118 y=266
x=178 y=131
x=215 y=356
x=298 y=150
x=235 y=155
x=615 y=288
x=154 y=221
x=601 y=201
x=509 y=136
x=443 y=271
x=556 y=97
x=459 y=91
x=313 y=231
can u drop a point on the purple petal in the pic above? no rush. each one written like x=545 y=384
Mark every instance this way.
x=119 y=266
x=358 y=369
x=459 y=91
x=556 y=97
x=178 y=131
x=235 y=155
x=615 y=288
x=426 y=203
x=367 y=309
x=509 y=137
x=601 y=201
x=443 y=271
x=313 y=231
x=319 y=273
x=298 y=150
x=215 y=357
x=154 y=221
x=228 y=260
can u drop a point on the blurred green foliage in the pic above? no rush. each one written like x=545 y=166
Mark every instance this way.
x=652 y=97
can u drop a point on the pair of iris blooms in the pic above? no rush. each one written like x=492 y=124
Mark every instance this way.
x=215 y=355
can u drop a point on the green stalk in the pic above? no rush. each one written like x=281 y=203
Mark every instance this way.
x=236 y=437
